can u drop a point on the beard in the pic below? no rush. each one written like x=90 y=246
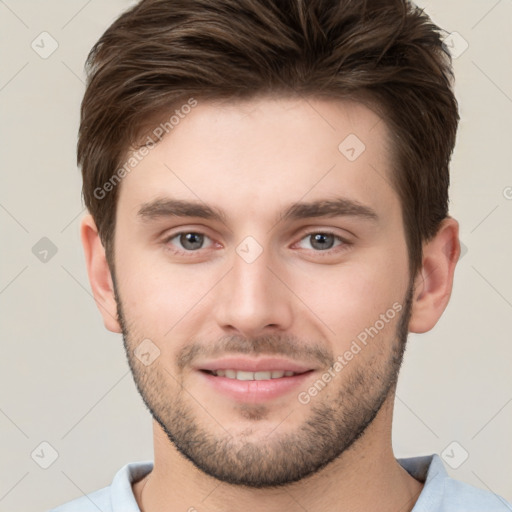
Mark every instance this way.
x=335 y=422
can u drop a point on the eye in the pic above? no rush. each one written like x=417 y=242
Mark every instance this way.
x=323 y=240
x=190 y=241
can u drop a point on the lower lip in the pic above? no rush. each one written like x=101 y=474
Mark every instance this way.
x=255 y=391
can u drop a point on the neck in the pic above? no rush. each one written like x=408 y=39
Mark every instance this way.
x=366 y=476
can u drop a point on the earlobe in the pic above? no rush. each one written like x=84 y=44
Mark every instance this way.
x=433 y=284
x=99 y=273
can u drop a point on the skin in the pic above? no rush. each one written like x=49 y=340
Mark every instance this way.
x=252 y=159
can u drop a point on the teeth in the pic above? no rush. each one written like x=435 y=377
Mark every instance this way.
x=243 y=375
x=261 y=375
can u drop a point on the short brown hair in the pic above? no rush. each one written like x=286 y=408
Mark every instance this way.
x=386 y=53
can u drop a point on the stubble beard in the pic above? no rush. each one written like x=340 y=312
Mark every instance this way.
x=331 y=428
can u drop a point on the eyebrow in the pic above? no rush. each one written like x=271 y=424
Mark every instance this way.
x=337 y=207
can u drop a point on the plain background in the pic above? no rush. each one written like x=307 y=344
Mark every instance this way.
x=64 y=378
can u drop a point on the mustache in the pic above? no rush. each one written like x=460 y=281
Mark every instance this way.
x=232 y=345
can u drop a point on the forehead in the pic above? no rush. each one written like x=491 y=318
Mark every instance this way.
x=262 y=155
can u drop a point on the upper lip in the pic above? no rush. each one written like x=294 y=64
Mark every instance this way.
x=253 y=365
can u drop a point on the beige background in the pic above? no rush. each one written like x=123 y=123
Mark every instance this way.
x=64 y=378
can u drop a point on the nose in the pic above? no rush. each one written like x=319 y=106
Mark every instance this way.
x=253 y=297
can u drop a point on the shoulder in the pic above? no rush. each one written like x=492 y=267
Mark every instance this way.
x=442 y=493
x=117 y=497
x=465 y=497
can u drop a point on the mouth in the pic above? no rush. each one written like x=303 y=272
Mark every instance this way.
x=261 y=375
x=246 y=380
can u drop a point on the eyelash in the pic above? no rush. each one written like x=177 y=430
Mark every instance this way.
x=327 y=252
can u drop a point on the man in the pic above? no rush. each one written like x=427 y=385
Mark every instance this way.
x=267 y=187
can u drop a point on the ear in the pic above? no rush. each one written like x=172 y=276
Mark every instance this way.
x=433 y=283
x=99 y=273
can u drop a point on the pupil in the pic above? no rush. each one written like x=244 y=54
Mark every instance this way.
x=191 y=238
x=320 y=237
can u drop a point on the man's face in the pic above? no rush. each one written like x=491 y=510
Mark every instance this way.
x=263 y=291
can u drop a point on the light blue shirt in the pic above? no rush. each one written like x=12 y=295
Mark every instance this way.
x=441 y=493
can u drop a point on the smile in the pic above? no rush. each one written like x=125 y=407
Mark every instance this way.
x=244 y=375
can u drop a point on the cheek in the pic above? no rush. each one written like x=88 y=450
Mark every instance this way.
x=352 y=297
x=156 y=296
